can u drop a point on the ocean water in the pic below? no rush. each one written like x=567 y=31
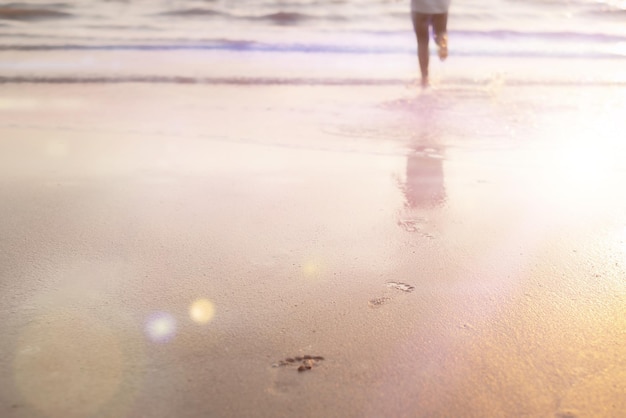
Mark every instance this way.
x=564 y=57
x=567 y=29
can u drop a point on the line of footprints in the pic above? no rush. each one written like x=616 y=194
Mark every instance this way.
x=308 y=362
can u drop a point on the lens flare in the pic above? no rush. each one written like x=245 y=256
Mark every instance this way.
x=310 y=268
x=68 y=365
x=161 y=327
x=202 y=311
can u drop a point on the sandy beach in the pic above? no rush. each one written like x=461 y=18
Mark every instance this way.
x=293 y=250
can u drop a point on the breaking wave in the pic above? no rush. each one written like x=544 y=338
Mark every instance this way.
x=290 y=81
x=12 y=12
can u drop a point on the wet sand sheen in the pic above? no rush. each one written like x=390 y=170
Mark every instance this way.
x=184 y=252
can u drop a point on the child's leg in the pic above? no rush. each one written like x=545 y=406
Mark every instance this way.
x=440 y=24
x=421 y=25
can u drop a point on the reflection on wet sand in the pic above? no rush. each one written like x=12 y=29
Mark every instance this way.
x=423 y=185
x=424 y=178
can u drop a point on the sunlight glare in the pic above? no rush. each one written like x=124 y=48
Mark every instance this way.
x=579 y=169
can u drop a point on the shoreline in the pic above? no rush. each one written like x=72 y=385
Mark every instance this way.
x=218 y=68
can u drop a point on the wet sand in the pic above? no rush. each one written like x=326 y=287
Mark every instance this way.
x=179 y=251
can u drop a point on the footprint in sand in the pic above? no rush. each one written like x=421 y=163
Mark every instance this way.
x=404 y=287
x=416 y=225
x=380 y=301
x=300 y=363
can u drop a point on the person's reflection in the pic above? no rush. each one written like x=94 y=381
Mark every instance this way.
x=424 y=178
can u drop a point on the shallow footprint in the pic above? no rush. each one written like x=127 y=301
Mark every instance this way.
x=382 y=300
x=416 y=225
x=301 y=363
x=404 y=287
x=378 y=302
